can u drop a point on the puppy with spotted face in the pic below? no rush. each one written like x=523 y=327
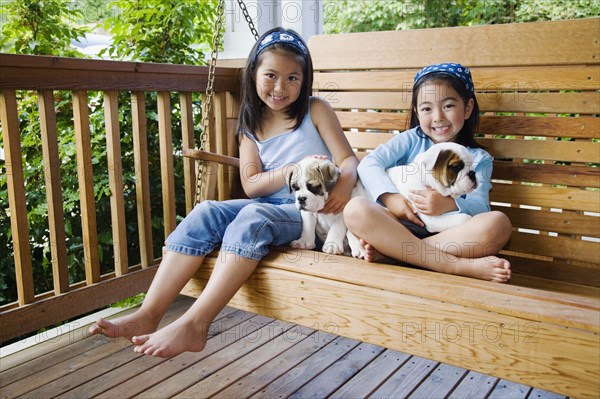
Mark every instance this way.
x=311 y=181
x=448 y=169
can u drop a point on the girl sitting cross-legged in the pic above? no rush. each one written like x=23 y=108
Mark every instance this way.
x=443 y=109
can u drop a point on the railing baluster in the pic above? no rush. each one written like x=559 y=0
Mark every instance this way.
x=56 y=214
x=86 y=186
x=166 y=161
x=221 y=142
x=142 y=180
x=187 y=131
x=209 y=183
x=16 y=196
x=115 y=181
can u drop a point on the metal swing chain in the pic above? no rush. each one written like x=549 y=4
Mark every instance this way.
x=216 y=41
x=207 y=105
x=248 y=19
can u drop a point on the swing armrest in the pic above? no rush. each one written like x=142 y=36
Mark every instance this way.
x=211 y=156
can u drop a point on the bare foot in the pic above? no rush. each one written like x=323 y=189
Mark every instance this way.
x=490 y=268
x=126 y=326
x=183 y=335
x=372 y=255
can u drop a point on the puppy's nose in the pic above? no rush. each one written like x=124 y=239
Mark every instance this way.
x=472 y=177
x=302 y=200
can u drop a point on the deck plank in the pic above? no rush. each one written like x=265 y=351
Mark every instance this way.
x=265 y=374
x=537 y=393
x=247 y=355
x=308 y=369
x=342 y=370
x=474 y=385
x=406 y=379
x=244 y=366
x=369 y=378
x=439 y=383
x=509 y=390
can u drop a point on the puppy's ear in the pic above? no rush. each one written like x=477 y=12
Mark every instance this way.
x=447 y=167
x=330 y=174
x=290 y=176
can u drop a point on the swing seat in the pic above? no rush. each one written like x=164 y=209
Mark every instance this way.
x=538 y=89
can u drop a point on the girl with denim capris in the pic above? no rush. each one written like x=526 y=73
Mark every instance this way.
x=279 y=124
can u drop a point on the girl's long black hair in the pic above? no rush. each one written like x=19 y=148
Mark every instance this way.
x=466 y=136
x=252 y=107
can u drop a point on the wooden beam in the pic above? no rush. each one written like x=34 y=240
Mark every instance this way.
x=25 y=72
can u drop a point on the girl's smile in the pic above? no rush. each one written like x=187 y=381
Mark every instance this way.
x=278 y=79
x=441 y=111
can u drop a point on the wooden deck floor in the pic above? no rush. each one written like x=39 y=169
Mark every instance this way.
x=247 y=355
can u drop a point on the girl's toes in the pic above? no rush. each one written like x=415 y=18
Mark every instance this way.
x=140 y=339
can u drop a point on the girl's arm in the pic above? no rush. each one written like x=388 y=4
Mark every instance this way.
x=331 y=132
x=255 y=182
x=372 y=172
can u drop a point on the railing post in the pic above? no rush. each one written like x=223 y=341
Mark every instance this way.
x=142 y=179
x=16 y=196
x=86 y=186
x=56 y=214
x=166 y=161
x=187 y=132
x=115 y=181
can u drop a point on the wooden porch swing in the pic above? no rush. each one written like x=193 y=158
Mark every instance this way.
x=538 y=89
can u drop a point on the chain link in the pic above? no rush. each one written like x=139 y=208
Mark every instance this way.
x=207 y=103
x=248 y=19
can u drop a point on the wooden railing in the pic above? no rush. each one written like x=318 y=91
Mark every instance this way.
x=44 y=75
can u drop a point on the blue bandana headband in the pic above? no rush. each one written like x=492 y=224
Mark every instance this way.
x=282 y=37
x=456 y=70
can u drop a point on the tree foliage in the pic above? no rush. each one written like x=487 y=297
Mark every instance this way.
x=343 y=16
x=174 y=31
x=40 y=27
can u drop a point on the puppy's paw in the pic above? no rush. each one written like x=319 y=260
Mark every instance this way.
x=333 y=248
x=302 y=244
x=359 y=252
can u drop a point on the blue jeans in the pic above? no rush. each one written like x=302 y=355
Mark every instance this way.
x=245 y=227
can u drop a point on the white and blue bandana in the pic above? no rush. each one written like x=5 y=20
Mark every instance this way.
x=453 y=69
x=288 y=37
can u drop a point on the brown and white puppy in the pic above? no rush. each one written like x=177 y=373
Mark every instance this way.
x=311 y=181
x=448 y=169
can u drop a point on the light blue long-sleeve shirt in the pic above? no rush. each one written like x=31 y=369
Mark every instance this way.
x=402 y=150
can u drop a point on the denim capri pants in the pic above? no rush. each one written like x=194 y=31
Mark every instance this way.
x=246 y=227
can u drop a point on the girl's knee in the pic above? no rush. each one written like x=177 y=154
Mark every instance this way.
x=497 y=225
x=356 y=212
x=352 y=211
x=501 y=222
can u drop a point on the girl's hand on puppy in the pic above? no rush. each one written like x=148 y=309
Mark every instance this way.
x=337 y=199
x=430 y=202
x=400 y=207
x=318 y=156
